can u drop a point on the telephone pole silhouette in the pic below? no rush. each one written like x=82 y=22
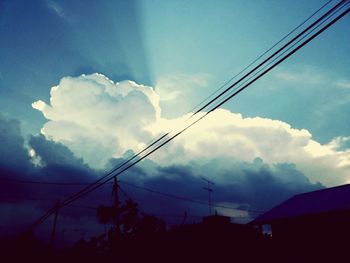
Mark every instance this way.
x=53 y=232
x=116 y=203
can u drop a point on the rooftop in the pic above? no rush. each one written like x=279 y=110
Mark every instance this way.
x=320 y=201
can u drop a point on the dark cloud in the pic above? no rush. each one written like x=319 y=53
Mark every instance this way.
x=254 y=186
x=262 y=186
x=244 y=185
x=21 y=199
x=12 y=152
x=53 y=153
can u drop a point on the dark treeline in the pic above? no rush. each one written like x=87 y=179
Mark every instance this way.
x=138 y=237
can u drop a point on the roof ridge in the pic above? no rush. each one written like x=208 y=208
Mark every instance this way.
x=323 y=189
x=302 y=204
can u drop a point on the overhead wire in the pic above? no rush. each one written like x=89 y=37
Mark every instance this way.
x=162 y=137
x=219 y=104
x=282 y=59
x=262 y=55
x=182 y=198
x=259 y=64
x=190 y=125
x=288 y=49
x=105 y=178
x=20 y=181
x=333 y=9
x=122 y=191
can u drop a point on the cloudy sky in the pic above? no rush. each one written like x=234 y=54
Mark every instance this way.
x=84 y=84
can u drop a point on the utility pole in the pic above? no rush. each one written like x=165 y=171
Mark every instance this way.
x=116 y=202
x=115 y=192
x=184 y=218
x=210 y=191
x=53 y=232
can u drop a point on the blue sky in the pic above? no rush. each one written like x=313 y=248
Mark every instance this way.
x=267 y=139
x=146 y=41
x=220 y=39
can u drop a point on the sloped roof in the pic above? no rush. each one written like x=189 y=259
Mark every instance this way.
x=325 y=200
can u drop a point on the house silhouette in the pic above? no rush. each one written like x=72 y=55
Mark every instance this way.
x=215 y=239
x=316 y=224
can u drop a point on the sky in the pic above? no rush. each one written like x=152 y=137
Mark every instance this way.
x=83 y=84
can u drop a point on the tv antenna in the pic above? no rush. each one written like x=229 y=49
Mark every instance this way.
x=210 y=190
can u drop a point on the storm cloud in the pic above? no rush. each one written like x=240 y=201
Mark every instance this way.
x=94 y=124
x=240 y=187
x=98 y=119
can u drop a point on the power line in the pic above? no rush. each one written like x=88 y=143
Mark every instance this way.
x=288 y=49
x=282 y=59
x=105 y=178
x=69 y=200
x=87 y=189
x=10 y=180
x=221 y=94
x=93 y=187
x=211 y=110
x=96 y=185
x=181 y=198
x=271 y=56
x=4 y=198
x=137 y=155
x=122 y=191
x=262 y=55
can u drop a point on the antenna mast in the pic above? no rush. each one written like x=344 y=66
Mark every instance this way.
x=210 y=190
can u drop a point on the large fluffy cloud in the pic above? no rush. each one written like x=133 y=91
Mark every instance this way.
x=93 y=121
x=226 y=135
x=98 y=119
x=239 y=184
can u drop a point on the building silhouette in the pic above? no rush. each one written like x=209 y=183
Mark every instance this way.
x=310 y=226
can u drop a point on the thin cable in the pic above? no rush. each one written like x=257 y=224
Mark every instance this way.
x=10 y=180
x=221 y=94
x=115 y=169
x=223 y=101
x=23 y=198
x=314 y=23
x=288 y=49
x=281 y=60
x=186 y=198
x=122 y=191
x=263 y=54
x=43 y=218
x=166 y=134
x=271 y=56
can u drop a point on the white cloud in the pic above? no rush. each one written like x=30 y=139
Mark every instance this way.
x=226 y=209
x=98 y=119
x=168 y=86
x=343 y=84
x=303 y=74
x=57 y=9
x=179 y=92
x=228 y=135
x=340 y=143
x=311 y=76
x=34 y=158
